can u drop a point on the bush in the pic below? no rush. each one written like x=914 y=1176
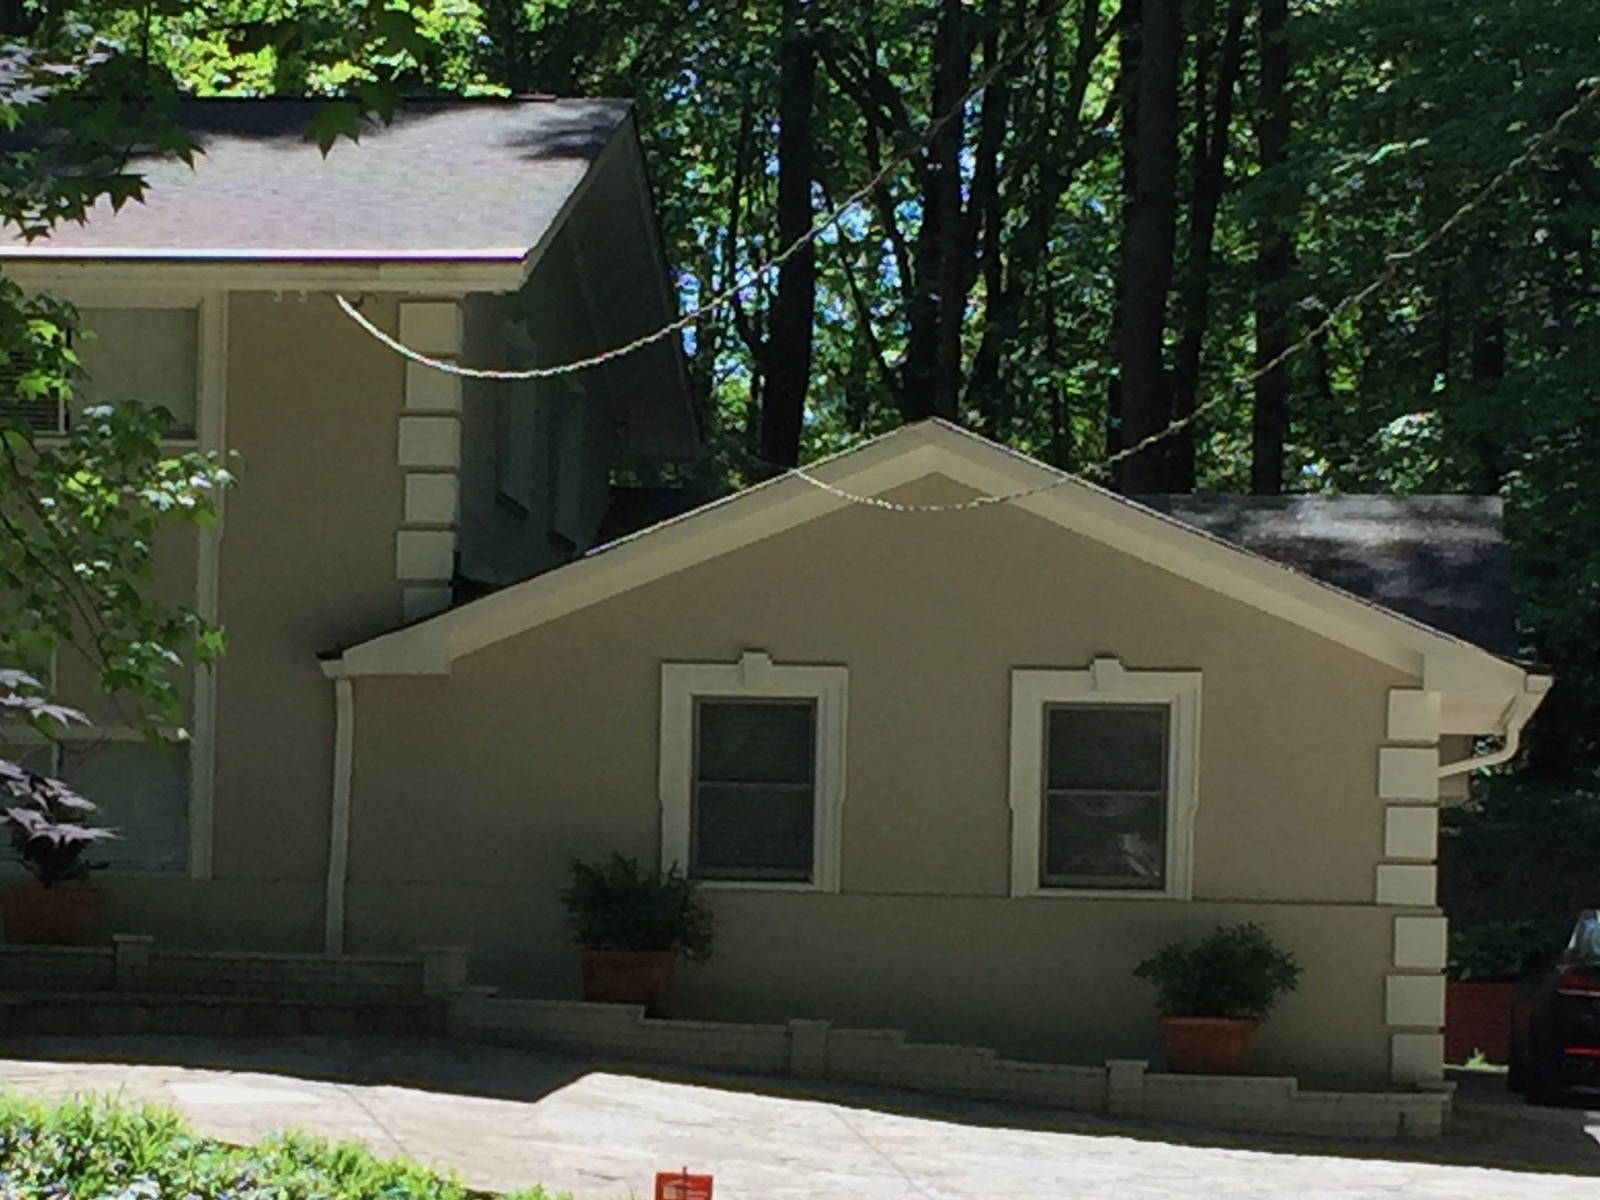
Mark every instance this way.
x=100 y=1150
x=1506 y=949
x=1234 y=971
x=1522 y=849
x=615 y=904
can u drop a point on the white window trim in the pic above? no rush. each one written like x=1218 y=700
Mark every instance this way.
x=1105 y=682
x=754 y=676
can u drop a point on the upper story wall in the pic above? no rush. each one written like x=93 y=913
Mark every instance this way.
x=307 y=563
x=536 y=453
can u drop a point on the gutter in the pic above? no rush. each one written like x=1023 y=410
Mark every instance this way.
x=1516 y=715
x=344 y=730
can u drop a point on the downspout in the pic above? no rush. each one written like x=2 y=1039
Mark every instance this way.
x=344 y=738
x=1516 y=715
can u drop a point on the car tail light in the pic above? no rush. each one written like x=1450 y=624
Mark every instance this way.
x=1574 y=982
x=1582 y=1051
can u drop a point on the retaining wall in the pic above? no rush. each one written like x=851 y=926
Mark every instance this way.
x=816 y=1051
x=134 y=986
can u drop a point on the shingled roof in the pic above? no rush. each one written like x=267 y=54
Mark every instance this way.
x=1440 y=560
x=467 y=180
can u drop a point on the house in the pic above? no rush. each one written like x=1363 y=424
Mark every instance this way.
x=944 y=764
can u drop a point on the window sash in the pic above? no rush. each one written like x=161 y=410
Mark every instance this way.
x=145 y=801
x=1151 y=854
x=147 y=354
x=707 y=795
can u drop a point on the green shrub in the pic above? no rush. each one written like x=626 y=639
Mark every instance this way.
x=1234 y=971
x=615 y=904
x=1506 y=949
x=96 y=1149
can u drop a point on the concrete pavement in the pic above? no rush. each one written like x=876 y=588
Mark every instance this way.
x=507 y=1118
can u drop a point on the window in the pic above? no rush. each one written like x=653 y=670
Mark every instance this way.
x=755 y=795
x=146 y=354
x=142 y=792
x=1103 y=781
x=752 y=772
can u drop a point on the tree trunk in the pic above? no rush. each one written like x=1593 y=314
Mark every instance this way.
x=1149 y=241
x=1269 y=426
x=1129 y=29
x=933 y=345
x=1487 y=344
x=789 y=338
x=1213 y=122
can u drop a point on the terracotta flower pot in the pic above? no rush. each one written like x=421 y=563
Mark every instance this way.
x=68 y=915
x=628 y=976
x=1208 y=1045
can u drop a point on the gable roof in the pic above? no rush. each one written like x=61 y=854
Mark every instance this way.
x=460 y=180
x=1481 y=692
x=1441 y=560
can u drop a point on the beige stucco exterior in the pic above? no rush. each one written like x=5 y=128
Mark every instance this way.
x=306 y=563
x=472 y=791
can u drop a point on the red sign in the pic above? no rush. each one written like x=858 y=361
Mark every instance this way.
x=680 y=1185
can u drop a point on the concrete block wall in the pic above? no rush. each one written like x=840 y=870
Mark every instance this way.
x=57 y=968
x=814 y=1050
x=135 y=964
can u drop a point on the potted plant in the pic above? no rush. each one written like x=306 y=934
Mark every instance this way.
x=1213 y=992
x=51 y=829
x=631 y=924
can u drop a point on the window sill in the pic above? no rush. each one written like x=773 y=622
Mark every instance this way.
x=184 y=444
x=753 y=885
x=1096 y=894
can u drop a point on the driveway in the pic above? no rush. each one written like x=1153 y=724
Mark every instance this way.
x=507 y=1118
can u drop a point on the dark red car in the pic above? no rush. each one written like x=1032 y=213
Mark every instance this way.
x=1555 y=1028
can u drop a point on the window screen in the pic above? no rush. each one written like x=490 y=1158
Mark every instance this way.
x=143 y=795
x=1105 y=797
x=754 y=814
x=145 y=354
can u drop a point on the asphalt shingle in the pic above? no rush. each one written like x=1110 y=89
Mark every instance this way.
x=447 y=179
x=1440 y=560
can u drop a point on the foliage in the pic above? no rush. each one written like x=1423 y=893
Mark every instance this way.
x=1523 y=849
x=48 y=823
x=616 y=904
x=97 y=1149
x=1505 y=949
x=1233 y=971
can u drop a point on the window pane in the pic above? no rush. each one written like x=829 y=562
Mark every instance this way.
x=1107 y=747
x=145 y=354
x=1105 y=840
x=742 y=741
x=143 y=794
x=745 y=831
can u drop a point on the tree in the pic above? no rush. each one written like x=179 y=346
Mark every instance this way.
x=1149 y=241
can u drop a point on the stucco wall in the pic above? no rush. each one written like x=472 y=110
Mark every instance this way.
x=307 y=563
x=472 y=792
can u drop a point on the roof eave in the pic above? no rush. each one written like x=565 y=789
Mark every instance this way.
x=245 y=270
